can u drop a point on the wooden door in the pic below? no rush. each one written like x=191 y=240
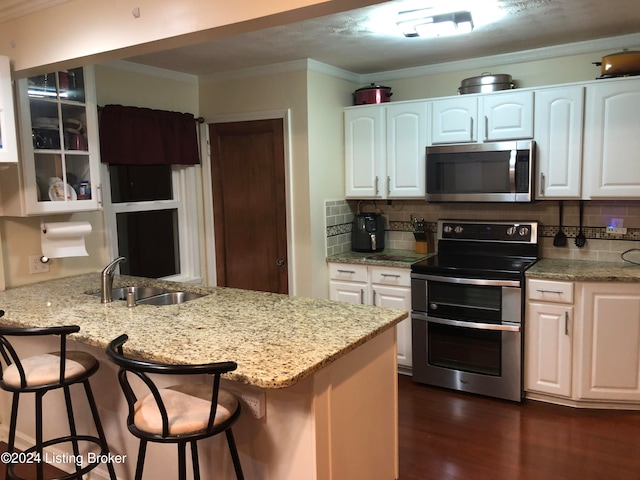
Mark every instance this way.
x=249 y=204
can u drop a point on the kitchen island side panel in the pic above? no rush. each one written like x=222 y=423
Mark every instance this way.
x=340 y=423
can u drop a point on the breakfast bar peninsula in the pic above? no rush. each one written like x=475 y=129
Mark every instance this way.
x=318 y=378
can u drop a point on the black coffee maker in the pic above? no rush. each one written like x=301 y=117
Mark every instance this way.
x=367 y=233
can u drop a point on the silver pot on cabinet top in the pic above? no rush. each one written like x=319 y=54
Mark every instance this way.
x=487 y=82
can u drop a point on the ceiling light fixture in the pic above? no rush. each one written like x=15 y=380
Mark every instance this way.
x=414 y=23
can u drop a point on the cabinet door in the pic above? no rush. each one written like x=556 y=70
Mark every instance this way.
x=548 y=348
x=609 y=356
x=398 y=298
x=59 y=129
x=8 y=139
x=454 y=120
x=365 y=174
x=406 y=144
x=507 y=116
x=612 y=143
x=558 y=127
x=349 y=292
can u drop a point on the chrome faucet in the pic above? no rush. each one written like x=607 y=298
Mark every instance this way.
x=106 y=289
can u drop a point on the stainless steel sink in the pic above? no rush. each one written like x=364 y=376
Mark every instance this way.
x=138 y=292
x=169 y=298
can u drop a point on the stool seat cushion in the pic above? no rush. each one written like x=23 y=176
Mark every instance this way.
x=45 y=369
x=188 y=407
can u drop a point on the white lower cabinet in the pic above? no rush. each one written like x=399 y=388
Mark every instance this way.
x=380 y=286
x=609 y=362
x=582 y=343
x=548 y=337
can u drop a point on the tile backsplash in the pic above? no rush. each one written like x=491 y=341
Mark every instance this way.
x=398 y=214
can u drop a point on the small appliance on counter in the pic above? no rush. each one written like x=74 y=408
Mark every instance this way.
x=367 y=233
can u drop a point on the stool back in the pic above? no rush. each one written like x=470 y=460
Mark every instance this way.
x=143 y=369
x=11 y=357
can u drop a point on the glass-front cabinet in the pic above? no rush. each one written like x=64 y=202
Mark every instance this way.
x=8 y=139
x=59 y=130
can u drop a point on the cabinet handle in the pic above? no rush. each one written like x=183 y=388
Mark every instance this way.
x=352 y=272
x=388 y=185
x=566 y=323
x=99 y=194
x=486 y=127
x=377 y=189
x=392 y=275
x=374 y=298
x=471 y=128
x=362 y=296
x=542 y=183
x=542 y=290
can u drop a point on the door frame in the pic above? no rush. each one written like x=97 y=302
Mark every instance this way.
x=207 y=193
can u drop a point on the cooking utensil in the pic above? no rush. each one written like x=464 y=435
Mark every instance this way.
x=486 y=83
x=372 y=94
x=560 y=240
x=581 y=240
x=620 y=63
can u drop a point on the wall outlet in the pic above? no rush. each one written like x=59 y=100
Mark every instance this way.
x=617 y=230
x=253 y=400
x=36 y=266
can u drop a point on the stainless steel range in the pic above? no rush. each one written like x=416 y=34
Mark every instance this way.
x=468 y=307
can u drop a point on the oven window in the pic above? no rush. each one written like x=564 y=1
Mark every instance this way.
x=465 y=302
x=465 y=349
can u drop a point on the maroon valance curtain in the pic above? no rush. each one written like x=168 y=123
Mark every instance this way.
x=142 y=136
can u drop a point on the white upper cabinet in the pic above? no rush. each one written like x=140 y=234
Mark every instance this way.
x=59 y=168
x=8 y=138
x=385 y=149
x=454 y=120
x=406 y=149
x=365 y=146
x=558 y=135
x=482 y=118
x=611 y=139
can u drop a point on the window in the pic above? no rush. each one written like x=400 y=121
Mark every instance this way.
x=150 y=218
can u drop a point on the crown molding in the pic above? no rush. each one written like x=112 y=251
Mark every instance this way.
x=545 y=53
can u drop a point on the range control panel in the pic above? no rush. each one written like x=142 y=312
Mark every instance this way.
x=517 y=232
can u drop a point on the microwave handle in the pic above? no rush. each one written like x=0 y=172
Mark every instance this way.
x=512 y=170
x=486 y=128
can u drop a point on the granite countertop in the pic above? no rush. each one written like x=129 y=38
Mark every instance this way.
x=387 y=258
x=584 y=270
x=277 y=340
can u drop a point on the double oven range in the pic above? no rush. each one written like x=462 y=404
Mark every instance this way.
x=468 y=307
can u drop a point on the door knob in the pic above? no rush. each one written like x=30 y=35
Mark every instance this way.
x=280 y=262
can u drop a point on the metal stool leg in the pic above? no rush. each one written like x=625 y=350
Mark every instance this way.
x=98 y=424
x=182 y=460
x=40 y=463
x=194 y=460
x=142 y=450
x=72 y=425
x=12 y=427
x=234 y=454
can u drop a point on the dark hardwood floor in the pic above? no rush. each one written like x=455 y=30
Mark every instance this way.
x=446 y=435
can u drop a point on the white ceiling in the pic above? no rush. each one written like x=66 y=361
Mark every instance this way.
x=346 y=41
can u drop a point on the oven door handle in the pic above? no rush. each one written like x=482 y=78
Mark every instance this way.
x=467 y=281
x=460 y=323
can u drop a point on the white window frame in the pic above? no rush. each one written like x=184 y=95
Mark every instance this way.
x=184 y=185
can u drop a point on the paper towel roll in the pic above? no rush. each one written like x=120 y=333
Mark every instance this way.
x=64 y=239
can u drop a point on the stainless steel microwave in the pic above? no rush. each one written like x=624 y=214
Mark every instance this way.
x=481 y=172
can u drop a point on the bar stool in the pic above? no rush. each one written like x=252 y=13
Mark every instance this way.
x=179 y=413
x=40 y=374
